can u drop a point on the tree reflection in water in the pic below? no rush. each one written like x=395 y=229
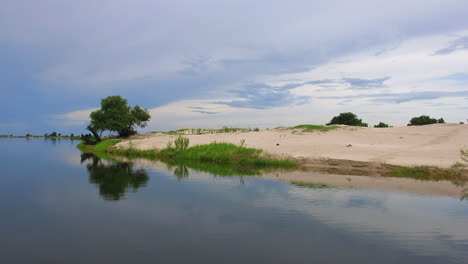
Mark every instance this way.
x=114 y=179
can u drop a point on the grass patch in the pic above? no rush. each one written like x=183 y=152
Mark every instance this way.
x=311 y=128
x=429 y=173
x=311 y=185
x=227 y=153
x=220 y=158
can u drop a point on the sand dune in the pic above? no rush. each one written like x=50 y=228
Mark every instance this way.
x=437 y=144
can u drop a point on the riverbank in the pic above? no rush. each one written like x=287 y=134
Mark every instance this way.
x=431 y=145
x=370 y=151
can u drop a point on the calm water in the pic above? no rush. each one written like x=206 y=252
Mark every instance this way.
x=58 y=206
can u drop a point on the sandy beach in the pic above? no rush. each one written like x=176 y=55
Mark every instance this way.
x=434 y=145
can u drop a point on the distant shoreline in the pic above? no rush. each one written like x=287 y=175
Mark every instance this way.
x=61 y=137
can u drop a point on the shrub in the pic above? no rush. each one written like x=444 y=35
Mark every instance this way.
x=381 y=124
x=348 y=118
x=181 y=143
x=424 y=120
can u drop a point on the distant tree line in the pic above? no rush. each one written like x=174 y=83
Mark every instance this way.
x=56 y=135
x=351 y=119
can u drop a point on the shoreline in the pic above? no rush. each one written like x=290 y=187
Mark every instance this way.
x=431 y=145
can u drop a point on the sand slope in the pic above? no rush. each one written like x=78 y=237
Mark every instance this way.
x=437 y=144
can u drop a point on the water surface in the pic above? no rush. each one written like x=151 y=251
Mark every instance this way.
x=59 y=206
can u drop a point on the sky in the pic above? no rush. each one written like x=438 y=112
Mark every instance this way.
x=211 y=63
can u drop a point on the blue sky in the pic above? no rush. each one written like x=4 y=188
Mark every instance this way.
x=243 y=63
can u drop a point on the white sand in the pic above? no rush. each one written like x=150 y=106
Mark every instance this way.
x=437 y=144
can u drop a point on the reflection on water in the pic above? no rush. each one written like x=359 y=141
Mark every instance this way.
x=114 y=179
x=51 y=213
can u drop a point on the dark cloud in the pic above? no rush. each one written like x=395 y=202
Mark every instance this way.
x=458 y=44
x=262 y=96
x=360 y=84
x=401 y=97
x=205 y=112
x=198 y=107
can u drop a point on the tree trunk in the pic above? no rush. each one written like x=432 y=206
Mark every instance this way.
x=95 y=134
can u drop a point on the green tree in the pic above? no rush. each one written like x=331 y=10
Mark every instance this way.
x=116 y=116
x=424 y=120
x=381 y=124
x=53 y=134
x=348 y=118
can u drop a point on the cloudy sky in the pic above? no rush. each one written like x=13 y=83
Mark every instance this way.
x=211 y=63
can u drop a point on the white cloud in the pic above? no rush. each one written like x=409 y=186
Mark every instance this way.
x=75 y=118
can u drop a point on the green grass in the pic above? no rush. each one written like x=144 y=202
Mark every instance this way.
x=312 y=128
x=227 y=153
x=311 y=185
x=237 y=158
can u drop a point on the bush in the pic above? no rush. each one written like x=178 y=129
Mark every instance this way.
x=348 y=118
x=424 y=120
x=381 y=124
x=181 y=143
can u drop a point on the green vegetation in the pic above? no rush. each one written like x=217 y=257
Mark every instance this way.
x=228 y=154
x=424 y=120
x=238 y=158
x=464 y=155
x=429 y=173
x=348 y=118
x=311 y=185
x=381 y=124
x=312 y=128
x=181 y=143
x=116 y=116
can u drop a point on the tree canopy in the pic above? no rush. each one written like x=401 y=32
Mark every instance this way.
x=348 y=118
x=425 y=120
x=381 y=124
x=116 y=116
